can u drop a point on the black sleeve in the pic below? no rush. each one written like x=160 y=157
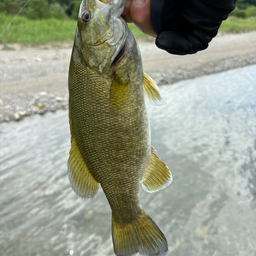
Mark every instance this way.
x=187 y=26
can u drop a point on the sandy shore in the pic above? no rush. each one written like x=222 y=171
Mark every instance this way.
x=34 y=80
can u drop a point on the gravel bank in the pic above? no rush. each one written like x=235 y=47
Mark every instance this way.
x=34 y=80
x=16 y=107
x=174 y=75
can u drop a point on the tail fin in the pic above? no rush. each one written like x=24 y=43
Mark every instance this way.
x=142 y=235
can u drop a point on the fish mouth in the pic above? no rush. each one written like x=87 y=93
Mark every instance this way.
x=118 y=56
x=101 y=3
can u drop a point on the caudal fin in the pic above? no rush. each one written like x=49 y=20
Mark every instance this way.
x=142 y=235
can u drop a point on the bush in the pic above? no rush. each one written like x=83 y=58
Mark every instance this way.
x=244 y=13
x=11 y=7
x=41 y=9
x=38 y=9
x=250 y=12
x=238 y=13
x=237 y=25
x=56 y=11
x=73 y=9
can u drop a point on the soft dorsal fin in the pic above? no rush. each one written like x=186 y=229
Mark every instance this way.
x=157 y=175
x=79 y=175
x=150 y=88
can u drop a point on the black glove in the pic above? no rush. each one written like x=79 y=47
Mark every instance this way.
x=187 y=26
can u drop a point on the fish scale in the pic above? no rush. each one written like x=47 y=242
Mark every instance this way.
x=110 y=137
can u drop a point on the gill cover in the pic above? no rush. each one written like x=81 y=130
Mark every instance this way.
x=101 y=33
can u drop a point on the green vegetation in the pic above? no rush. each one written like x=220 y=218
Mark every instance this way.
x=34 y=9
x=238 y=25
x=243 y=4
x=241 y=20
x=41 y=9
x=44 y=21
x=244 y=13
x=35 y=32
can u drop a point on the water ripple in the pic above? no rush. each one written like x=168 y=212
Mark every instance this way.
x=207 y=136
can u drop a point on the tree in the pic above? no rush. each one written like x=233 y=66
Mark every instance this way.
x=11 y=6
x=42 y=9
x=242 y=4
x=38 y=9
x=73 y=8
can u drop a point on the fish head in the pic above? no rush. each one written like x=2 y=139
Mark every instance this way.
x=101 y=33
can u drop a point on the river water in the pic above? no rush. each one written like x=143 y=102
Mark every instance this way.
x=206 y=134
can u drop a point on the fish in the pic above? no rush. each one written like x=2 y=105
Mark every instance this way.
x=109 y=126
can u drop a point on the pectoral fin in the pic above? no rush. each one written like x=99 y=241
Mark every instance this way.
x=150 y=88
x=79 y=175
x=157 y=175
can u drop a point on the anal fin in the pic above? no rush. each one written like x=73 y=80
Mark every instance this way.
x=157 y=175
x=79 y=175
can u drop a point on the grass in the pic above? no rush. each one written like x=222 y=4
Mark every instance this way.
x=35 y=32
x=38 y=32
x=238 y=25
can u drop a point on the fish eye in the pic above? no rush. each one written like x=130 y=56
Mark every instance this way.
x=85 y=16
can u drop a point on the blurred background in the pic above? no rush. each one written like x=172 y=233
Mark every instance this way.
x=43 y=21
x=205 y=133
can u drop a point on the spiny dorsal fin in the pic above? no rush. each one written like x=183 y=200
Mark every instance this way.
x=79 y=175
x=157 y=175
x=150 y=88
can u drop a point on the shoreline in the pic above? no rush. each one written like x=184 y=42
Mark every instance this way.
x=34 y=80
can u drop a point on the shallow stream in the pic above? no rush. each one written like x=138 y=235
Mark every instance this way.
x=206 y=134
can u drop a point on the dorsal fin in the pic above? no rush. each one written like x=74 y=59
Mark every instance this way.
x=150 y=88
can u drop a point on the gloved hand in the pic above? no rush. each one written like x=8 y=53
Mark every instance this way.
x=181 y=26
x=187 y=26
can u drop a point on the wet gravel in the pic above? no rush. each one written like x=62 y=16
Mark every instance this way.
x=16 y=106
x=34 y=80
x=175 y=75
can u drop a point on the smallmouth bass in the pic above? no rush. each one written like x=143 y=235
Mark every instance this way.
x=110 y=135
